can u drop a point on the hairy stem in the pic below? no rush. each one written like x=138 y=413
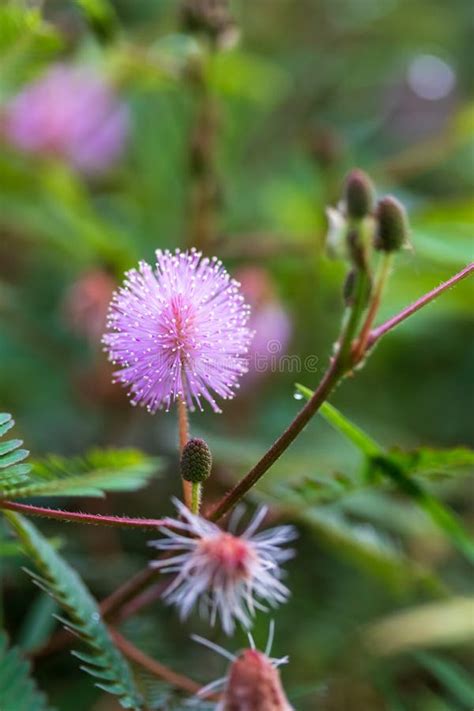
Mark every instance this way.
x=381 y=280
x=339 y=366
x=183 y=429
x=389 y=325
x=196 y=497
x=79 y=517
x=151 y=665
x=325 y=387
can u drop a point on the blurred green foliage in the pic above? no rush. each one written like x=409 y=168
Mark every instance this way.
x=314 y=88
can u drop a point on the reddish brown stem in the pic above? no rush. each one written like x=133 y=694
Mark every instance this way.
x=361 y=343
x=326 y=385
x=183 y=429
x=335 y=372
x=389 y=325
x=79 y=517
x=151 y=665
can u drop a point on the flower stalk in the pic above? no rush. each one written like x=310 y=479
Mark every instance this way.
x=381 y=279
x=183 y=437
x=195 y=497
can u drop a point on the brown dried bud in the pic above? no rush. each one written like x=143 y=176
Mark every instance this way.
x=254 y=683
x=359 y=195
x=392 y=225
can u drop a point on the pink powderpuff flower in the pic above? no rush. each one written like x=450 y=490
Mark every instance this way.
x=178 y=331
x=252 y=680
x=227 y=576
x=71 y=113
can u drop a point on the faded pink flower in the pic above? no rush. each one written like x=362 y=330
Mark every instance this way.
x=178 y=331
x=269 y=320
x=69 y=112
x=226 y=575
x=252 y=680
x=86 y=303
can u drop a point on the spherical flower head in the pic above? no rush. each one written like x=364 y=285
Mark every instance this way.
x=71 y=113
x=178 y=331
x=225 y=575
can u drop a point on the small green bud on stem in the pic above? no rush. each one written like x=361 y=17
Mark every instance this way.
x=392 y=225
x=359 y=195
x=196 y=461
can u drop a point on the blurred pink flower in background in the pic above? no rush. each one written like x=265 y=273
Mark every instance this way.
x=69 y=112
x=269 y=320
x=86 y=304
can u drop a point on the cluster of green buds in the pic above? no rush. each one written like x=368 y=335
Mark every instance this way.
x=360 y=226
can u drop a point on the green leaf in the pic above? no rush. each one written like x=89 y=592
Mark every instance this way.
x=91 y=475
x=380 y=461
x=442 y=516
x=38 y=623
x=103 y=660
x=98 y=471
x=451 y=675
x=431 y=462
x=19 y=26
x=248 y=76
x=18 y=691
x=362 y=441
x=364 y=545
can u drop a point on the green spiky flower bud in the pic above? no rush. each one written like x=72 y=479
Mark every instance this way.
x=196 y=461
x=359 y=195
x=392 y=225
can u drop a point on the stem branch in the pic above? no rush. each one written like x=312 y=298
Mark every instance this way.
x=153 y=666
x=389 y=325
x=79 y=517
x=381 y=280
x=339 y=366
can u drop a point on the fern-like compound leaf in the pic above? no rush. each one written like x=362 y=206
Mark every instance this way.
x=18 y=690
x=102 y=660
x=91 y=475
